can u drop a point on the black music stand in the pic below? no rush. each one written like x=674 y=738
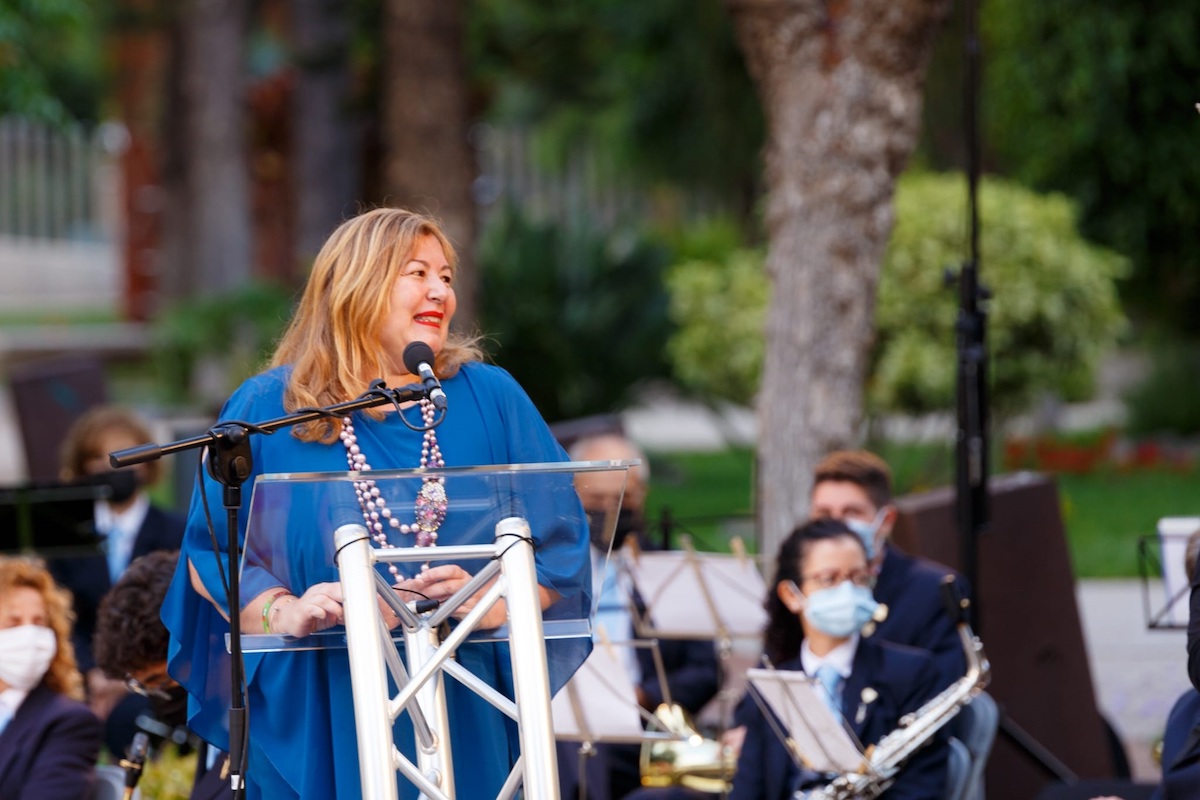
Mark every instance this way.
x=52 y=519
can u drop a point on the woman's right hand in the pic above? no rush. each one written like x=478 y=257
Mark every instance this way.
x=319 y=608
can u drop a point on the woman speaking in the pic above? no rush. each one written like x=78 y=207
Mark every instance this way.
x=383 y=280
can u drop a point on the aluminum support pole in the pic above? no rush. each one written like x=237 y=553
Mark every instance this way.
x=373 y=724
x=531 y=676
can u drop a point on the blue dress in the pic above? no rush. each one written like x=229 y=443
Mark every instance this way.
x=301 y=719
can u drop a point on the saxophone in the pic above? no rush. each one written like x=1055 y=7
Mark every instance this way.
x=885 y=758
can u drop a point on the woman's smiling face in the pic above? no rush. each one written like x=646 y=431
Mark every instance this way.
x=422 y=303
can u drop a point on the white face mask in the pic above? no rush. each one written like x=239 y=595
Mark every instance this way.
x=867 y=530
x=25 y=654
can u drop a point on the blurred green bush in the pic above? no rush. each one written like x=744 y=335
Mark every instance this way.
x=1165 y=401
x=1055 y=310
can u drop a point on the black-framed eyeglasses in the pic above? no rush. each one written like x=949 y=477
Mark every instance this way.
x=156 y=690
x=830 y=578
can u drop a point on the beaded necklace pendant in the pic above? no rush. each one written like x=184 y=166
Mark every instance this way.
x=431 y=502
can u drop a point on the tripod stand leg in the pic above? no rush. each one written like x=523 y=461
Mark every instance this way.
x=1036 y=750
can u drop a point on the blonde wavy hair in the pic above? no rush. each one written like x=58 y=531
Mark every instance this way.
x=332 y=341
x=18 y=572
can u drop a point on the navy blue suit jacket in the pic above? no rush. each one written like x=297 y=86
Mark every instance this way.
x=49 y=749
x=87 y=576
x=911 y=589
x=902 y=678
x=1181 y=750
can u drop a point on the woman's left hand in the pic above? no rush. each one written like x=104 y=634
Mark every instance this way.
x=439 y=583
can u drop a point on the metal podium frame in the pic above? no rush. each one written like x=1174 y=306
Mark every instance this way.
x=422 y=692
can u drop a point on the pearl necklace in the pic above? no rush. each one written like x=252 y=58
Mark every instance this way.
x=431 y=503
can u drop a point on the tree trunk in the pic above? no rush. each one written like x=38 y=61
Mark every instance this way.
x=429 y=159
x=840 y=83
x=215 y=224
x=324 y=131
x=141 y=57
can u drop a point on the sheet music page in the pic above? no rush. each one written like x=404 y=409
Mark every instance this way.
x=605 y=696
x=818 y=734
x=676 y=600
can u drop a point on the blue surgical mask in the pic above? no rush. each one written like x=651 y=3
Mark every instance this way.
x=840 y=610
x=866 y=531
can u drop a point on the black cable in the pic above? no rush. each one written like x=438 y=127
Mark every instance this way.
x=519 y=538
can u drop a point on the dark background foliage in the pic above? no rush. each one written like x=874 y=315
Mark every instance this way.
x=578 y=317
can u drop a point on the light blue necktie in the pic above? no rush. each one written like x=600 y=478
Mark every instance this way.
x=5 y=717
x=831 y=682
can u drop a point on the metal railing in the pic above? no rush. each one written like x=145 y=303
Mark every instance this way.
x=57 y=183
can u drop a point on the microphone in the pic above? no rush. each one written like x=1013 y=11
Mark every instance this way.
x=418 y=359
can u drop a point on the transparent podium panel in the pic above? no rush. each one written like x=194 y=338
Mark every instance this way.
x=293 y=517
x=511 y=634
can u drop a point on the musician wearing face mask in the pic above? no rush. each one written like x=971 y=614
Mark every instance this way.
x=49 y=740
x=130 y=526
x=820 y=602
x=690 y=666
x=131 y=646
x=855 y=487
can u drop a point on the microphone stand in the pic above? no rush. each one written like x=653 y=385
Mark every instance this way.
x=230 y=463
x=134 y=761
x=971 y=445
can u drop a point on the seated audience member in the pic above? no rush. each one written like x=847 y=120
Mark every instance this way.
x=1181 y=740
x=131 y=646
x=690 y=666
x=49 y=740
x=1181 y=750
x=855 y=487
x=131 y=526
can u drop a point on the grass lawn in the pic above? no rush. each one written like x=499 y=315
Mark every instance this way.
x=710 y=495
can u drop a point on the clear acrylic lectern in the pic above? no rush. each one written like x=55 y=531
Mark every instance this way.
x=512 y=527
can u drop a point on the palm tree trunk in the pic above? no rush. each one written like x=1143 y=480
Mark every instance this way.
x=429 y=158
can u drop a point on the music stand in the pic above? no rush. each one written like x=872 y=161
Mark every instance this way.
x=599 y=704
x=52 y=519
x=814 y=736
x=1163 y=556
x=729 y=584
x=669 y=581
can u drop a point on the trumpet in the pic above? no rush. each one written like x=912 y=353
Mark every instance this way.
x=689 y=759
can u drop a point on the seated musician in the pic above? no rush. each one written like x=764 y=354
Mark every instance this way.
x=855 y=487
x=613 y=770
x=820 y=601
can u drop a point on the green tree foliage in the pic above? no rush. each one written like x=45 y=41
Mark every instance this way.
x=50 y=59
x=578 y=318
x=1162 y=402
x=1096 y=101
x=1054 y=312
x=662 y=85
x=718 y=301
x=238 y=329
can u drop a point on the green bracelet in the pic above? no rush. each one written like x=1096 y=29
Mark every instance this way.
x=267 y=609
